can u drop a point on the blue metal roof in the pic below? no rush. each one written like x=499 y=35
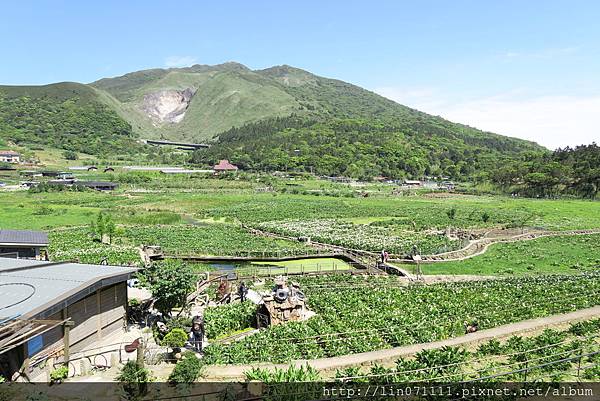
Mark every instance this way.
x=35 y=288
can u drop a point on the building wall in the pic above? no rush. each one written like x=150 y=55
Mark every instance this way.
x=10 y=159
x=24 y=252
x=95 y=317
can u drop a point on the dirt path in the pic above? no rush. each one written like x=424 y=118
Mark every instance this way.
x=230 y=372
x=480 y=246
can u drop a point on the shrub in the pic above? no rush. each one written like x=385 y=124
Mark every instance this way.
x=492 y=347
x=175 y=338
x=188 y=370
x=59 y=374
x=292 y=374
x=134 y=379
x=70 y=155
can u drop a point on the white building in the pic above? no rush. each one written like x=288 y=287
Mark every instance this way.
x=9 y=156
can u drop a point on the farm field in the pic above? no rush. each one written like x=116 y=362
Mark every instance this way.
x=548 y=255
x=22 y=209
x=211 y=239
x=506 y=358
x=356 y=314
x=363 y=236
x=218 y=207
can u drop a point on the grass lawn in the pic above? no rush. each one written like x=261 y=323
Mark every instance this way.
x=568 y=254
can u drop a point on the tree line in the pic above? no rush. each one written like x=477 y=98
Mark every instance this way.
x=568 y=171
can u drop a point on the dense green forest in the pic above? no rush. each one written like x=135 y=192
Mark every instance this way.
x=569 y=171
x=361 y=148
x=65 y=116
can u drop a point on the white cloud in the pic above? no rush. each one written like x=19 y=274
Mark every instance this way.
x=179 y=61
x=553 y=121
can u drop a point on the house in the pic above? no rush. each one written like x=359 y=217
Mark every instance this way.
x=10 y=156
x=413 y=183
x=64 y=176
x=224 y=165
x=22 y=244
x=55 y=309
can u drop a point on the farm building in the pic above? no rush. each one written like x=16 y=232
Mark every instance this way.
x=182 y=171
x=97 y=185
x=224 y=165
x=10 y=156
x=83 y=168
x=22 y=244
x=413 y=183
x=54 y=309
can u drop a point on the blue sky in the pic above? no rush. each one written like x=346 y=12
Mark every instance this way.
x=520 y=68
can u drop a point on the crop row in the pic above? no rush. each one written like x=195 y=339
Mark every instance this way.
x=363 y=236
x=411 y=213
x=516 y=359
x=356 y=314
x=210 y=239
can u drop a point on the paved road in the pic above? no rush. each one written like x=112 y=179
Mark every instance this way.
x=229 y=372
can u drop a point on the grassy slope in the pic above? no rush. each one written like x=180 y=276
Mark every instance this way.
x=551 y=255
x=229 y=99
x=226 y=95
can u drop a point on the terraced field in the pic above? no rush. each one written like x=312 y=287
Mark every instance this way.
x=356 y=314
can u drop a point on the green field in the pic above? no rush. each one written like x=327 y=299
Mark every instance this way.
x=549 y=255
x=357 y=314
x=206 y=216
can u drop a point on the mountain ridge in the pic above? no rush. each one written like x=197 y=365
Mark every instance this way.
x=229 y=104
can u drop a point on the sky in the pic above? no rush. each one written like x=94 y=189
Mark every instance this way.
x=528 y=69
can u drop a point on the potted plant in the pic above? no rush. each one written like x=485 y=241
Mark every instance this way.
x=175 y=339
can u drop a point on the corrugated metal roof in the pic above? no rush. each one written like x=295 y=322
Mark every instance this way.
x=29 y=287
x=23 y=237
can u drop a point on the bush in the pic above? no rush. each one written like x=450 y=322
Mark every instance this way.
x=70 y=155
x=134 y=379
x=59 y=374
x=175 y=338
x=492 y=347
x=188 y=370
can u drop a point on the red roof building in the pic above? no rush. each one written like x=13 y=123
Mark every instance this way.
x=224 y=165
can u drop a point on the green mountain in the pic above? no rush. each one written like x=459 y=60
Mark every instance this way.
x=65 y=115
x=278 y=118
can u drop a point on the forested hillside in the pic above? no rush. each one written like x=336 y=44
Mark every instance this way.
x=66 y=116
x=361 y=148
x=565 y=171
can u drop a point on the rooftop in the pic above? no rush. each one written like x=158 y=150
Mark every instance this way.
x=36 y=288
x=9 y=152
x=225 y=165
x=20 y=237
